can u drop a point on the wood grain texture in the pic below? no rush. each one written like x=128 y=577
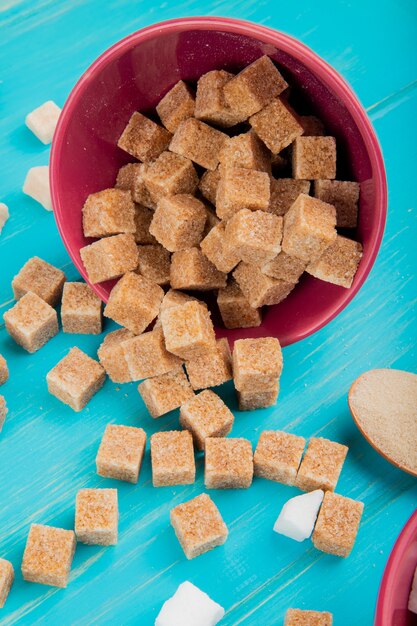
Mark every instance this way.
x=47 y=451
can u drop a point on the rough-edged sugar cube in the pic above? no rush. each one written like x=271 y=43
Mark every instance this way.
x=143 y=138
x=120 y=453
x=126 y=175
x=31 y=322
x=4 y=215
x=188 y=329
x=112 y=358
x=176 y=106
x=278 y=455
x=199 y=513
x=299 y=617
x=224 y=257
x=344 y=196
x=110 y=257
x=143 y=219
x=147 y=356
x=240 y=188
x=80 y=310
x=298 y=515
x=309 y=228
x=276 y=126
x=257 y=363
x=321 y=465
x=108 y=212
x=75 y=379
x=189 y=606
x=235 y=310
x=41 y=278
x=172 y=457
x=96 y=516
x=254 y=399
x=339 y=262
x=285 y=267
x=284 y=192
x=313 y=127
x=3 y=411
x=247 y=151
x=212 y=367
x=412 y=601
x=254 y=87
x=48 y=555
x=166 y=392
x=36 y=186
x=154 y=263
x=228 y=463
x=170 y=174
x=210 y=104
x=42 y=121
x=255 y=236
x=130 y=178
x=337 y=524
x=206 y=415
x=178 y=222
x=314 y=158
x=174 y=297
x=4 y=370
x=208 y=184
x=258 y=288
x=6 y=580
x=191 y=269
x=134 y=302
x=199 y=142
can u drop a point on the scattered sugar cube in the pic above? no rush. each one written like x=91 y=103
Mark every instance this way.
x=235 y=310
x=109 y=257
x=240 y=188
x=258 y=288
x=96 y=516
x=214 y=247
x=41 y=278
x=252 y=400
x=257 y=363
x=108 y=212
x=191 y=269
x=3 y=411
x=178 y=222
x=314 y=158
x=176 y=106
x=112 y=358
x=143 y=219
x=147 y=356
x=339 y=262
x=75 y=379
x=247 y=151
x=297 y=617
x=166 y=392
x=6 y=580
x=344 y=196
x=210 y=104
x=121 y=453
x=199 y=142
x=174 y=297
x=42 y=121
x=199 y=513
x=412 y=601
x=31 y=322
x=206 y=415
x=255 y=236
x=80 y=310
x=321 y=465
x=228 y=463
x=189 y=606
x=36 y=186
x=144 y=139
x=298 y=515
x=337 y=524
x=313 y=127
x=4 y=370
x=188 y=329
x=285 y=267
x=130 y=178
x=172 y=456
x=278 y=455
x=170 y=174
x=212 y=367
x=4 y=215
x=276 y=126
x=154 y=264
x=134 y=302
x=126 y=175
x=48 y=555
x=208 y=184
x=284 y=192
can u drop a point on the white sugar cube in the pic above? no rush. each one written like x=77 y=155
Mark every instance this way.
x=412 y=602
x=43 y=120
x=189 y=606
x=36 y=186
x=298 y=515
x=4 y=215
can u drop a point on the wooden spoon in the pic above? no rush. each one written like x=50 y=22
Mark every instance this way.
x=383 y=404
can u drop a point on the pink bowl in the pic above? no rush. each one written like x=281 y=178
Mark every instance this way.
x=136 y=72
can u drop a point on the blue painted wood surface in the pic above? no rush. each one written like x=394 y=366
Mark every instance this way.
x=47 y=451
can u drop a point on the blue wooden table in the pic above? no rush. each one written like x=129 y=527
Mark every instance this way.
x=47 y=451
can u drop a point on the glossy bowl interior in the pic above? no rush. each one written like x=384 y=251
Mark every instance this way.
x=136 y=72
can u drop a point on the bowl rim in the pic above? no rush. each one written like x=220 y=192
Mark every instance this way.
x=287 y=44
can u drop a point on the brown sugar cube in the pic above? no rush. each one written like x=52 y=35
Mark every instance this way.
x=41 y=278
x=257 y=363
x=228 y=463
x=206 y=415
x=112 y=358
x=3 y=411
x=339 y=262
x=240 y=188
x=154 y=263
x=208 y=184
x=109 y=257
x=276 y=126
x=108 y=212
x=284 y=192
x=191 y=269
x=96 y=516
x=164 y=393
x=252 y=400
x=147 y=356
x=247 y=151
x=48 y=555
x=255 y=236
x=4 y=370
x=176 y=106
x=199 y=142
x=344 y=196
x=188 y=329
x=259 y=289
x=31 y=322
x=212 y=367
x=178 y=222
x=235 y=310
x=80 y=310
x=170 y=174
x=172 y=457
x=321 y=465
x=121 y=453
x=198 y=525
x=214 y=247
x=313 y=127
x=278 y=455
x=337 y=524
x=309 y=228
x=139 y=190
x=210 y=104
x=134 y=302
x=6 y=580
x=144 y=139
x=297 y=617
x=314 y=158
x=285 y=267
x=143 y=219
x=254 y=87
x=125 y=176
x=174 y=297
